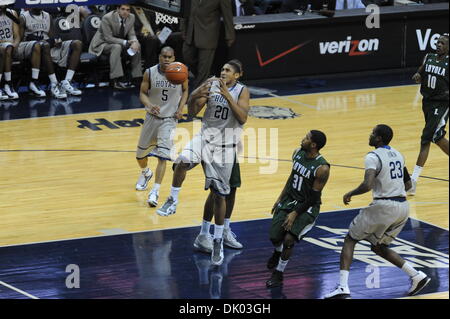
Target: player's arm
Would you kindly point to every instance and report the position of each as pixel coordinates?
(22, 26)
(183, 100)
(417, 77)
(198, 98)
(406, 179)
(321, 179)
(364, 187)
(143, 95)
(241, 107)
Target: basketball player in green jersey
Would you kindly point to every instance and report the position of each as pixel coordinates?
(433, 78)
(297, 208)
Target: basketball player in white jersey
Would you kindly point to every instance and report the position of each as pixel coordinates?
(9, 41)
(37, 28)
(379, 223)
(227, 106)
(164, 104)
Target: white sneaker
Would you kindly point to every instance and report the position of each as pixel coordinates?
(418, 282)
(153, 199)
(338, 293)
(34, 89)
(229, 239)
(3, 96)
(68, 88)
(143, 180)
(412, 190)
(9, 90)
(217, 252)
(168, 208)
(204, 243)
(56, 92)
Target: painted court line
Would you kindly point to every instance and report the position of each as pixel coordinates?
(18, 290)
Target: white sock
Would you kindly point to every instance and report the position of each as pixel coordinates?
(218, 231)
(415, 175)
(282, 264)
(156, 187)
(205, 227)
(343, 278)
(226, 224)
(35, 74)
(52, 78)
(279, 248)
(174, 192)
(69, 75)
(7, 76)
(407, 268)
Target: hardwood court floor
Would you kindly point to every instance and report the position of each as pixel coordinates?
(59, 181)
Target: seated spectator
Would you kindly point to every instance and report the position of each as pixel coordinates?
(115, 37)
(244, 8)
(37, 28)
(148, 26)
(9, 41)
(349, 4)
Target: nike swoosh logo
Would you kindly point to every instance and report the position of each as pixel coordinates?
(282, 54)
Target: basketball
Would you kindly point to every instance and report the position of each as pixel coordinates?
(176, 73)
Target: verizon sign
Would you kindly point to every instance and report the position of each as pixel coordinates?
(425, 38)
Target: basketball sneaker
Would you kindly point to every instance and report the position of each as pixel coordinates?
(168, 208)
(35, 90)
(273, 260)
(338, 293)
(68, 88)
(9, 90)
(229, 239)
(3, 96)
(143, 179)
(56, 92)
(204, 243)
(153, 199)
(418, 282)
(276, 280)
(217, 253)
(412, 190)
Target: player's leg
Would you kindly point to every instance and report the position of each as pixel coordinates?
(443, 144)
(188, 159)
(219, 216)
(33, 50)
(48, 62)
(9, 88)
(204, 240)
(147, 141)
(2, 62)
(159, 175)
(71, 52)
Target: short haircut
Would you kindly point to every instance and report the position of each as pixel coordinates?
(237, 65)
(319, 138)
(167, 48)
(385, 132)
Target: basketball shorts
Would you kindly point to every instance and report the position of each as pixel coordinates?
(380, 222)
(217, 162)
(436, 117)
(24, 50)
(302, 224)
(156, 138)
(60, 55)
(235, 178)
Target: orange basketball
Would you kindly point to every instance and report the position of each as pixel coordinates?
(176, 73)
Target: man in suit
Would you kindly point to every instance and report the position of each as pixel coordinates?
(201, 30)
(114, 37)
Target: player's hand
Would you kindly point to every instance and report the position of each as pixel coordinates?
(289, 221)
(347, 198)
(273, 208)
(417, 78)
(179, 114)
(224, 90)
(58, 43)
(154, 109)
